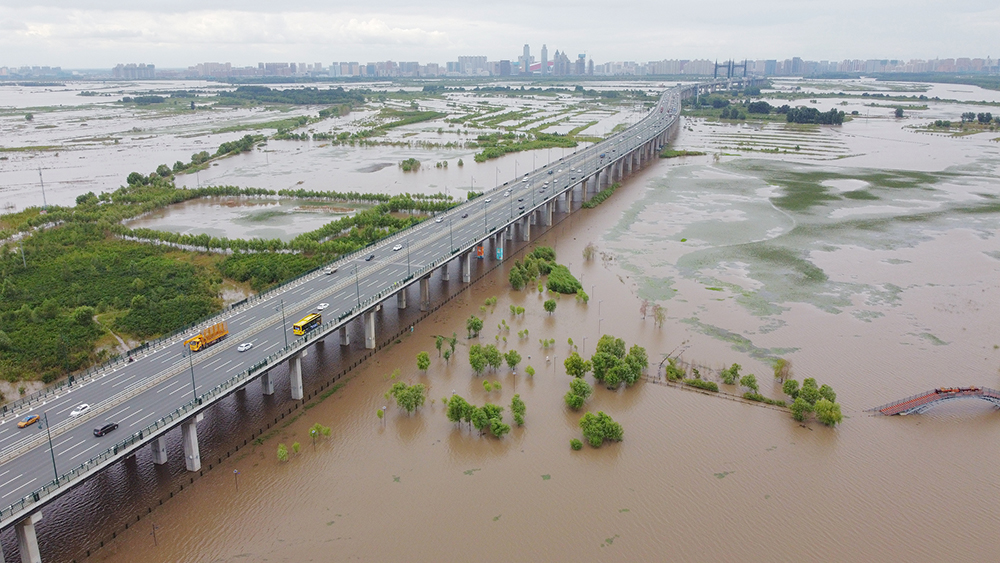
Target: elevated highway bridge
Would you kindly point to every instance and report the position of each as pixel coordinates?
(163, 386)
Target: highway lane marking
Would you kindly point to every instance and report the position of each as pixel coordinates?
(179, 389)
(169, 385)
(4, 473)
(237, 366)
(209, 364)
(119, 412)
(124, 381)
(141, 419)
(271, 346)
(64, 441)
(223, 365)
(129, 416)
(86, 450)
(71, 447)
(11, 481)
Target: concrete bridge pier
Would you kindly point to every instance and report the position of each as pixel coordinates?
(159, 449)
(547, 213)
(295, 374)
(345, 336)
(192, 457)
(509, 232)
(498, 245)
(444, 271)
(466, 267)
(569, 201)
(369, 317)
(27, 540)
(583, 189)
(267, 383)
(526, 228)
(425, 293)
(401, 298)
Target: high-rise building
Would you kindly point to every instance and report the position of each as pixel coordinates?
(504, 68)
(525, 60)
(581, 64)
(545, 60)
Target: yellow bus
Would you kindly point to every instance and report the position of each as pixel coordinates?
(308, 322)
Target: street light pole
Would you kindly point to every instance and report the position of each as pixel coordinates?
(194, 388)
(357, 284)
(407, 258)
(51, 451)
(451, 237)
(486, 208)
(284, 328)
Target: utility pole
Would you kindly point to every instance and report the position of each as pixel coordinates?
(45, 204)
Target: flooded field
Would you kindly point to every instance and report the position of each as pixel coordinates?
(869, 258)
(81, 143)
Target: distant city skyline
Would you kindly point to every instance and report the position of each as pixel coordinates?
(96, 33)
(524, 65)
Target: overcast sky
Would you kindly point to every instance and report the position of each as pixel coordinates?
(181, 33)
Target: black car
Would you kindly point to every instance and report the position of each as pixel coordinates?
(108, 427)
(520, 199)
(520, 208)
(464, 215)
(370, 258)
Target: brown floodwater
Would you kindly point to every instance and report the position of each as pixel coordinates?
(906, 302)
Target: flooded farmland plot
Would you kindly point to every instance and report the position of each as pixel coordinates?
(868, 258)
(82, 138)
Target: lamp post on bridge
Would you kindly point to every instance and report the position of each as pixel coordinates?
(45, 416)
(284, 328)
(194, 388)
(357, 284)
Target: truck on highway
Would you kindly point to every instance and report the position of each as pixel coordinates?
(207, 337)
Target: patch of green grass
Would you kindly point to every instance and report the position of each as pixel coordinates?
(29, 149)
(863, 195)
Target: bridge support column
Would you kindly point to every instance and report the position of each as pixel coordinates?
(401, 298)
(569, 201)
(267, 383)
(295, 374)
(425, 293)
(444, 271)
(159, 449)
(498, 247)
(526, 228)
(583, 189)
(466, 267)
(369, 317)
(509, 232)
(192, 457)
(345, 336)
(547, 214)
(27, 540)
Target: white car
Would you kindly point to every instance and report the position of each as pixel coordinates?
(80, 410)
(244, 347)
(438, 220)
(397, 247)
(488, 200)
(322, 306)
(329, 270)
(506, 193)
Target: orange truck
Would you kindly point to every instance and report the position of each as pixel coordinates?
(207, 337)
